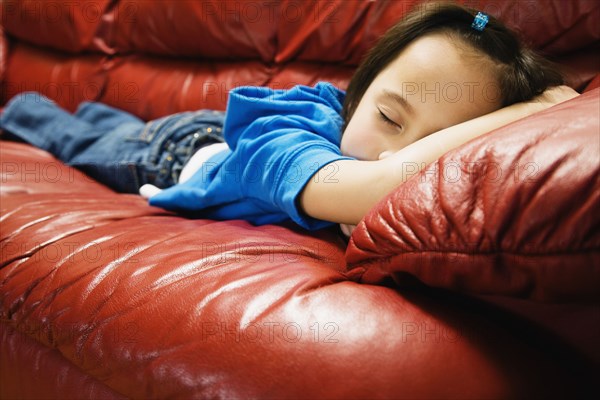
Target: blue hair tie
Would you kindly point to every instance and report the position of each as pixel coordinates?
(480, 21)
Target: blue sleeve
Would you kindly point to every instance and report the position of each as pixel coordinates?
(278, 139)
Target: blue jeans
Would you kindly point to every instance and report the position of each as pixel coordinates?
(110, 145)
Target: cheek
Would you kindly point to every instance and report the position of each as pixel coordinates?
(355, 141)
(363, 138)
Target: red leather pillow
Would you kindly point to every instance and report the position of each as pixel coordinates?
(3, 51)
(59, 24)
(342, 31)
(65, 79)
(213, 29)
(152, 87)
(515, 212)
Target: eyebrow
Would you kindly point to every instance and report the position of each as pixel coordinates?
(398, 98)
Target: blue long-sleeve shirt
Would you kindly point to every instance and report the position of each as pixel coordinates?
(278, 140)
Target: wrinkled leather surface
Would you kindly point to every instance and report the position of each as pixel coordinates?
(3, 51)
(22, 353)
(103, 296)
(515, 213)
(153, 305)
(69, 26)
(3, 55)
(68, 80)
(208, 47)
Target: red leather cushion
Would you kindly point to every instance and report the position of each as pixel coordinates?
(153, 305)
(275, 43)
(3, 51)
(580, 67)
(66, 80)
(594, 84)
(157, 306)
(516, 213)
(342, 31)
(25, 360)
(213, 29)
(321, 31)
(67, 25)
(27, 170)
(153, 87)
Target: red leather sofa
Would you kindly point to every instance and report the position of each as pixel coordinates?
(477, 278)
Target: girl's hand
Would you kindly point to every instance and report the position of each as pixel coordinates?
(347, 229)
(553, 96)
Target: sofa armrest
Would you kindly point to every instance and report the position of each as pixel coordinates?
(512, 213)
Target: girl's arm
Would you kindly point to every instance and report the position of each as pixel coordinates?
(344, 191)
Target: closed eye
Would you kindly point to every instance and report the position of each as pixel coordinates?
(388, 120)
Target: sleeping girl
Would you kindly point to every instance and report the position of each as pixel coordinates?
(442, 76)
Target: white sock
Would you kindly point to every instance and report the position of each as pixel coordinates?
(148, 190)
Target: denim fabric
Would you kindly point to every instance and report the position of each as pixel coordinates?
(112, 146)
(278, 139)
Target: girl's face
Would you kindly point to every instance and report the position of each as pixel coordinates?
(433, 84)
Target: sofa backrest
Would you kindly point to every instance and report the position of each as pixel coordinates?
(158, 57)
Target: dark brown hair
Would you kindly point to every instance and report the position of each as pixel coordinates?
(521, 73)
